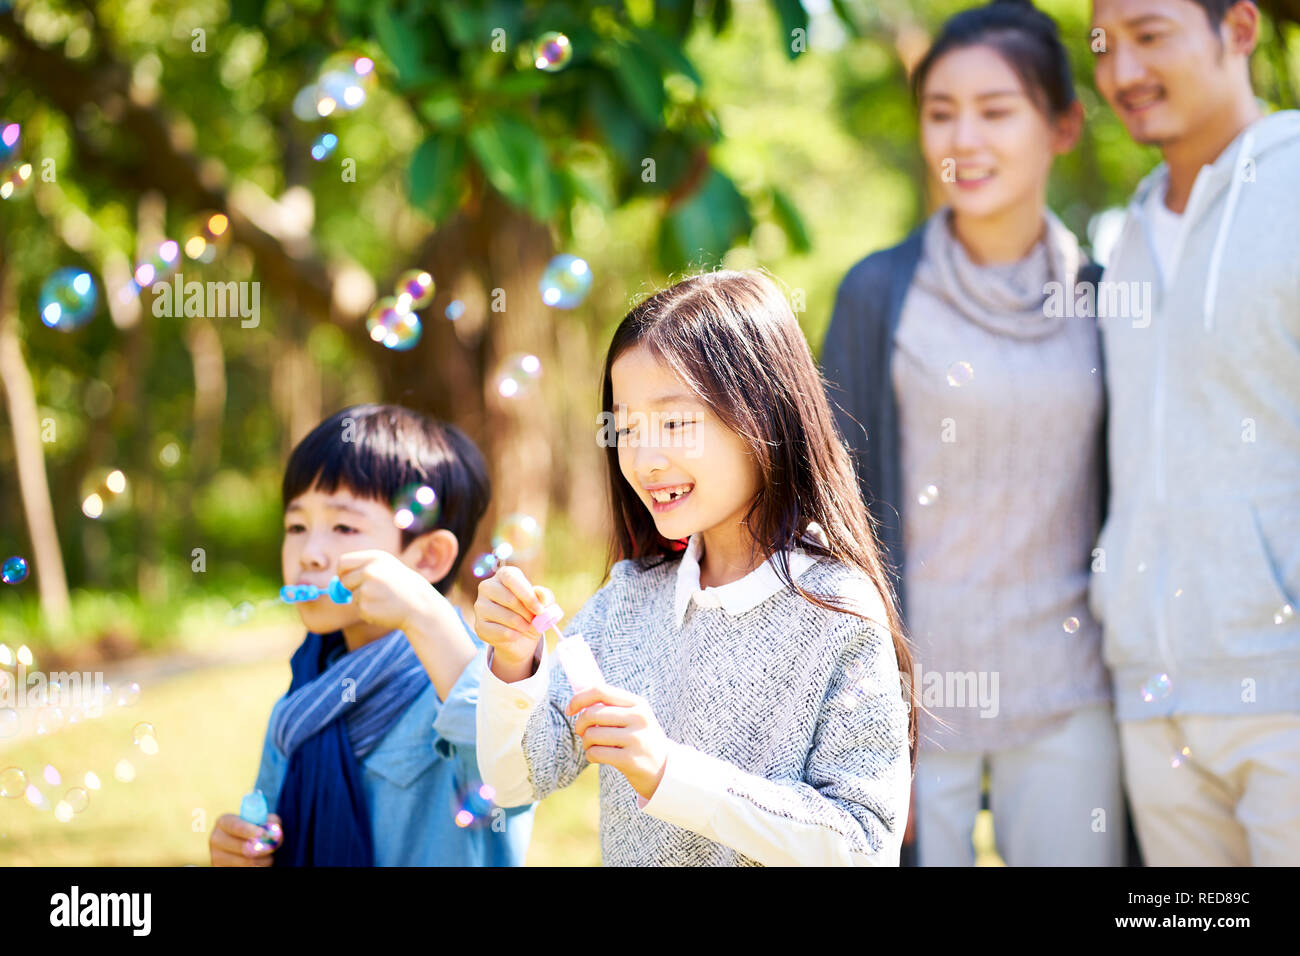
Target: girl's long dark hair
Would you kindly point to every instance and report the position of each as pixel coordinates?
(733, 340)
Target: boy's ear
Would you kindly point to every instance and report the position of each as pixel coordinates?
(432, 554)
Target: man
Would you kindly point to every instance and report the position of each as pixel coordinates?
(1198, 567)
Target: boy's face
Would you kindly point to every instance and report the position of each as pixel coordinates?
(1165, 70)
(318, 528)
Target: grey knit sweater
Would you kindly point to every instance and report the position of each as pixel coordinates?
(788, 726)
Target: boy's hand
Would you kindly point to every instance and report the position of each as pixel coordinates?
(233, 838)
(507, 603)
(618, 728)
(387, 591)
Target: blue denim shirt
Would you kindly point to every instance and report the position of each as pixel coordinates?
(414, 778)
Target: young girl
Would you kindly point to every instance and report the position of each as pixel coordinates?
(982, 457)
(753, 708)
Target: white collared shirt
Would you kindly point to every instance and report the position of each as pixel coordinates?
(742, 595)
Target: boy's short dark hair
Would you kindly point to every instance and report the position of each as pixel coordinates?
(1216, 10)
(375, 451)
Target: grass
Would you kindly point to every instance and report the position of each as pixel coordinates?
(209, 726)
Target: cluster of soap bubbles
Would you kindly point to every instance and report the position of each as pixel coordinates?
(1156, 687)
(344, 81)
(205, 237)
(928, 496)
(15, 783)
(392, 321)
(14, 570)
(104, 493)
(960, 373)
(15, 173)
(68, 299)
(516, 537)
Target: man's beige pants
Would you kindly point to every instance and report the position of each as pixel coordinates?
(1210, 790)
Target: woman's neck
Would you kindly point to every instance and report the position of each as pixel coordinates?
(1004, 237)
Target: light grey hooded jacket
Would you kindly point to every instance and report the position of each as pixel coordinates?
(1201, 547)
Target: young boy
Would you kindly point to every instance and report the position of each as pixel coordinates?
(369, 758)
(1202, 542)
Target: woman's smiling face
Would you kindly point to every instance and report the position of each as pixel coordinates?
(691, 471)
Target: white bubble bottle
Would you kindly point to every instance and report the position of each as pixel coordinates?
(572, 651)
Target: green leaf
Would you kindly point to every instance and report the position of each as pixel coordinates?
(514, 160)
(793, 17)
(668, 54)
(641, 82)
(400, 43)
(787, 217)
(436, 170)
(699, 232)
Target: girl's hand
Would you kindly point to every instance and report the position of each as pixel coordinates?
(387, 591)
(235, 841)
(618, 728)
(507, 603)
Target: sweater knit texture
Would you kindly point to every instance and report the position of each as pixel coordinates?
(1000, 413)
(806, 702)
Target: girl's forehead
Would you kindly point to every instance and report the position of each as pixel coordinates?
(639, 377)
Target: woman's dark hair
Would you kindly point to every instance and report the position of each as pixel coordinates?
(376, 451)
(1025, 37)
(732, 339)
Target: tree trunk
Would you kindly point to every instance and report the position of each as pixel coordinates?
(20, 397)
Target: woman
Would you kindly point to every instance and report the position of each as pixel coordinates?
(981, 394)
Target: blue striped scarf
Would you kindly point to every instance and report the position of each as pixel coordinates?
(331, 718)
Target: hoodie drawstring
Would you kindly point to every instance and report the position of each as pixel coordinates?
(1221, 238)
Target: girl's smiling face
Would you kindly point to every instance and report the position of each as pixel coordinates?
(689, 469)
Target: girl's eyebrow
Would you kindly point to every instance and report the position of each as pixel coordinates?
(677, 398)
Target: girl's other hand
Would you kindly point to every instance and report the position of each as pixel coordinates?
(236, 842)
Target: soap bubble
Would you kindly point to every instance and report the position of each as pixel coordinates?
(1071, 625)
(1156, 687)
(16, 180)
(77, 798)
(516, 375)
(565, 282)
(68, 299)
(128, 694)
(304, 103)
(10, 134)
(49, 720)
(51, 775)
(343, 82)
(14, 570)
(162, 264)
(1178, 759)
(36, 798)
(92, 781)
(960, 373)
(416, 508)
(552, 52)
(63, 811)
(169, 455)
(25, 655)
(473, 805)
(1284, 614)
(124, 771)
(9, 722)
(929, 494)
(392, 326)
(418, 287)
(239, 614)
(455, 309)
(142, 735)
(104, 494)
(206, 236)
(521, 532)
(13, 782)
(324, 146)
(485, 565)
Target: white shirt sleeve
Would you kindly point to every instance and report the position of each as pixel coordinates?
(503, 713)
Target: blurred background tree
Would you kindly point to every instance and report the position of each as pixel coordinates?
(678, 136)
